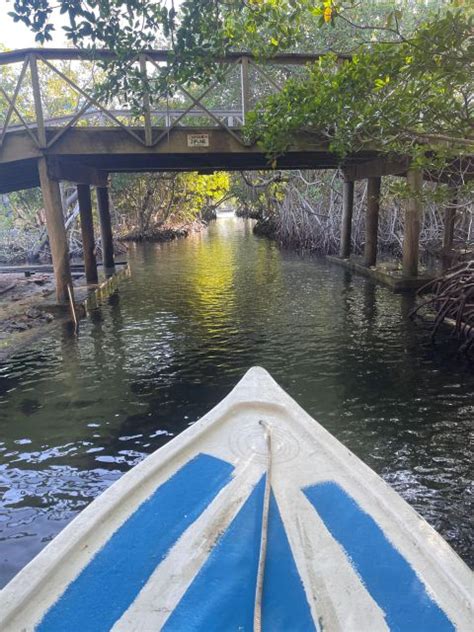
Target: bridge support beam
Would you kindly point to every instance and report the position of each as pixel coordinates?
(103, 205)
(346, 225)
(372, 221)
(413, 212)
(87, 230)
(245, 86)
(56, 232)
(449, 223)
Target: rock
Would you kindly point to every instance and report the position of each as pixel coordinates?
(20, 326)
(33, 312)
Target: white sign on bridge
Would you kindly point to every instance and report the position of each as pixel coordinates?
(198, 140)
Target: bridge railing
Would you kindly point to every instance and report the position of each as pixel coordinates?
(47, 92)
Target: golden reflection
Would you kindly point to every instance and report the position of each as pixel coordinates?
(220, 265)
(211, 280)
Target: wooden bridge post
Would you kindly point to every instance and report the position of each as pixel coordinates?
(412, 224)
(372, 221)
(346, 225)
(87, 230)
(35, 84)
(146, 102)
(105, 229)
(56, 232)
(245, 86)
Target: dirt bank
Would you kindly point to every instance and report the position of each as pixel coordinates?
(24, 315)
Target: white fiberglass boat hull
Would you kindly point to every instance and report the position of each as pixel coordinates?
(175, 544)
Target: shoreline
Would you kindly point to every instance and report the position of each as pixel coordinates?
(31, 312)
(24, 313)
(165, 233)
(27, 308)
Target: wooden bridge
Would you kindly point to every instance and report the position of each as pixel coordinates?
(81, 137)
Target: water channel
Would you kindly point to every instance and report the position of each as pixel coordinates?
(193, 316)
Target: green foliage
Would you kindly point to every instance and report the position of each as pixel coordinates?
(332, 25)
(146, 202)
(58, 98)
(196, 31)
(202, 26)
(21, 210)
(406, 98)
(130, 26)
(407, 89)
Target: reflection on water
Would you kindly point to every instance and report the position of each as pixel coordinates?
(194, 316)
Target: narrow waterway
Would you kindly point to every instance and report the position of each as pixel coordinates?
(191, 319)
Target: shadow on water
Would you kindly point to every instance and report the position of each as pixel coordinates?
(75, 413)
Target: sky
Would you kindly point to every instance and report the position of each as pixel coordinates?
(17, 35)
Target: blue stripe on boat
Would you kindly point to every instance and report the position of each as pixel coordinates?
(221, 597)
(285, 606)
(108, 585)
(388, 577)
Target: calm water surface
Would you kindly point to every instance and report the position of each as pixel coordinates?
(75, 414)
